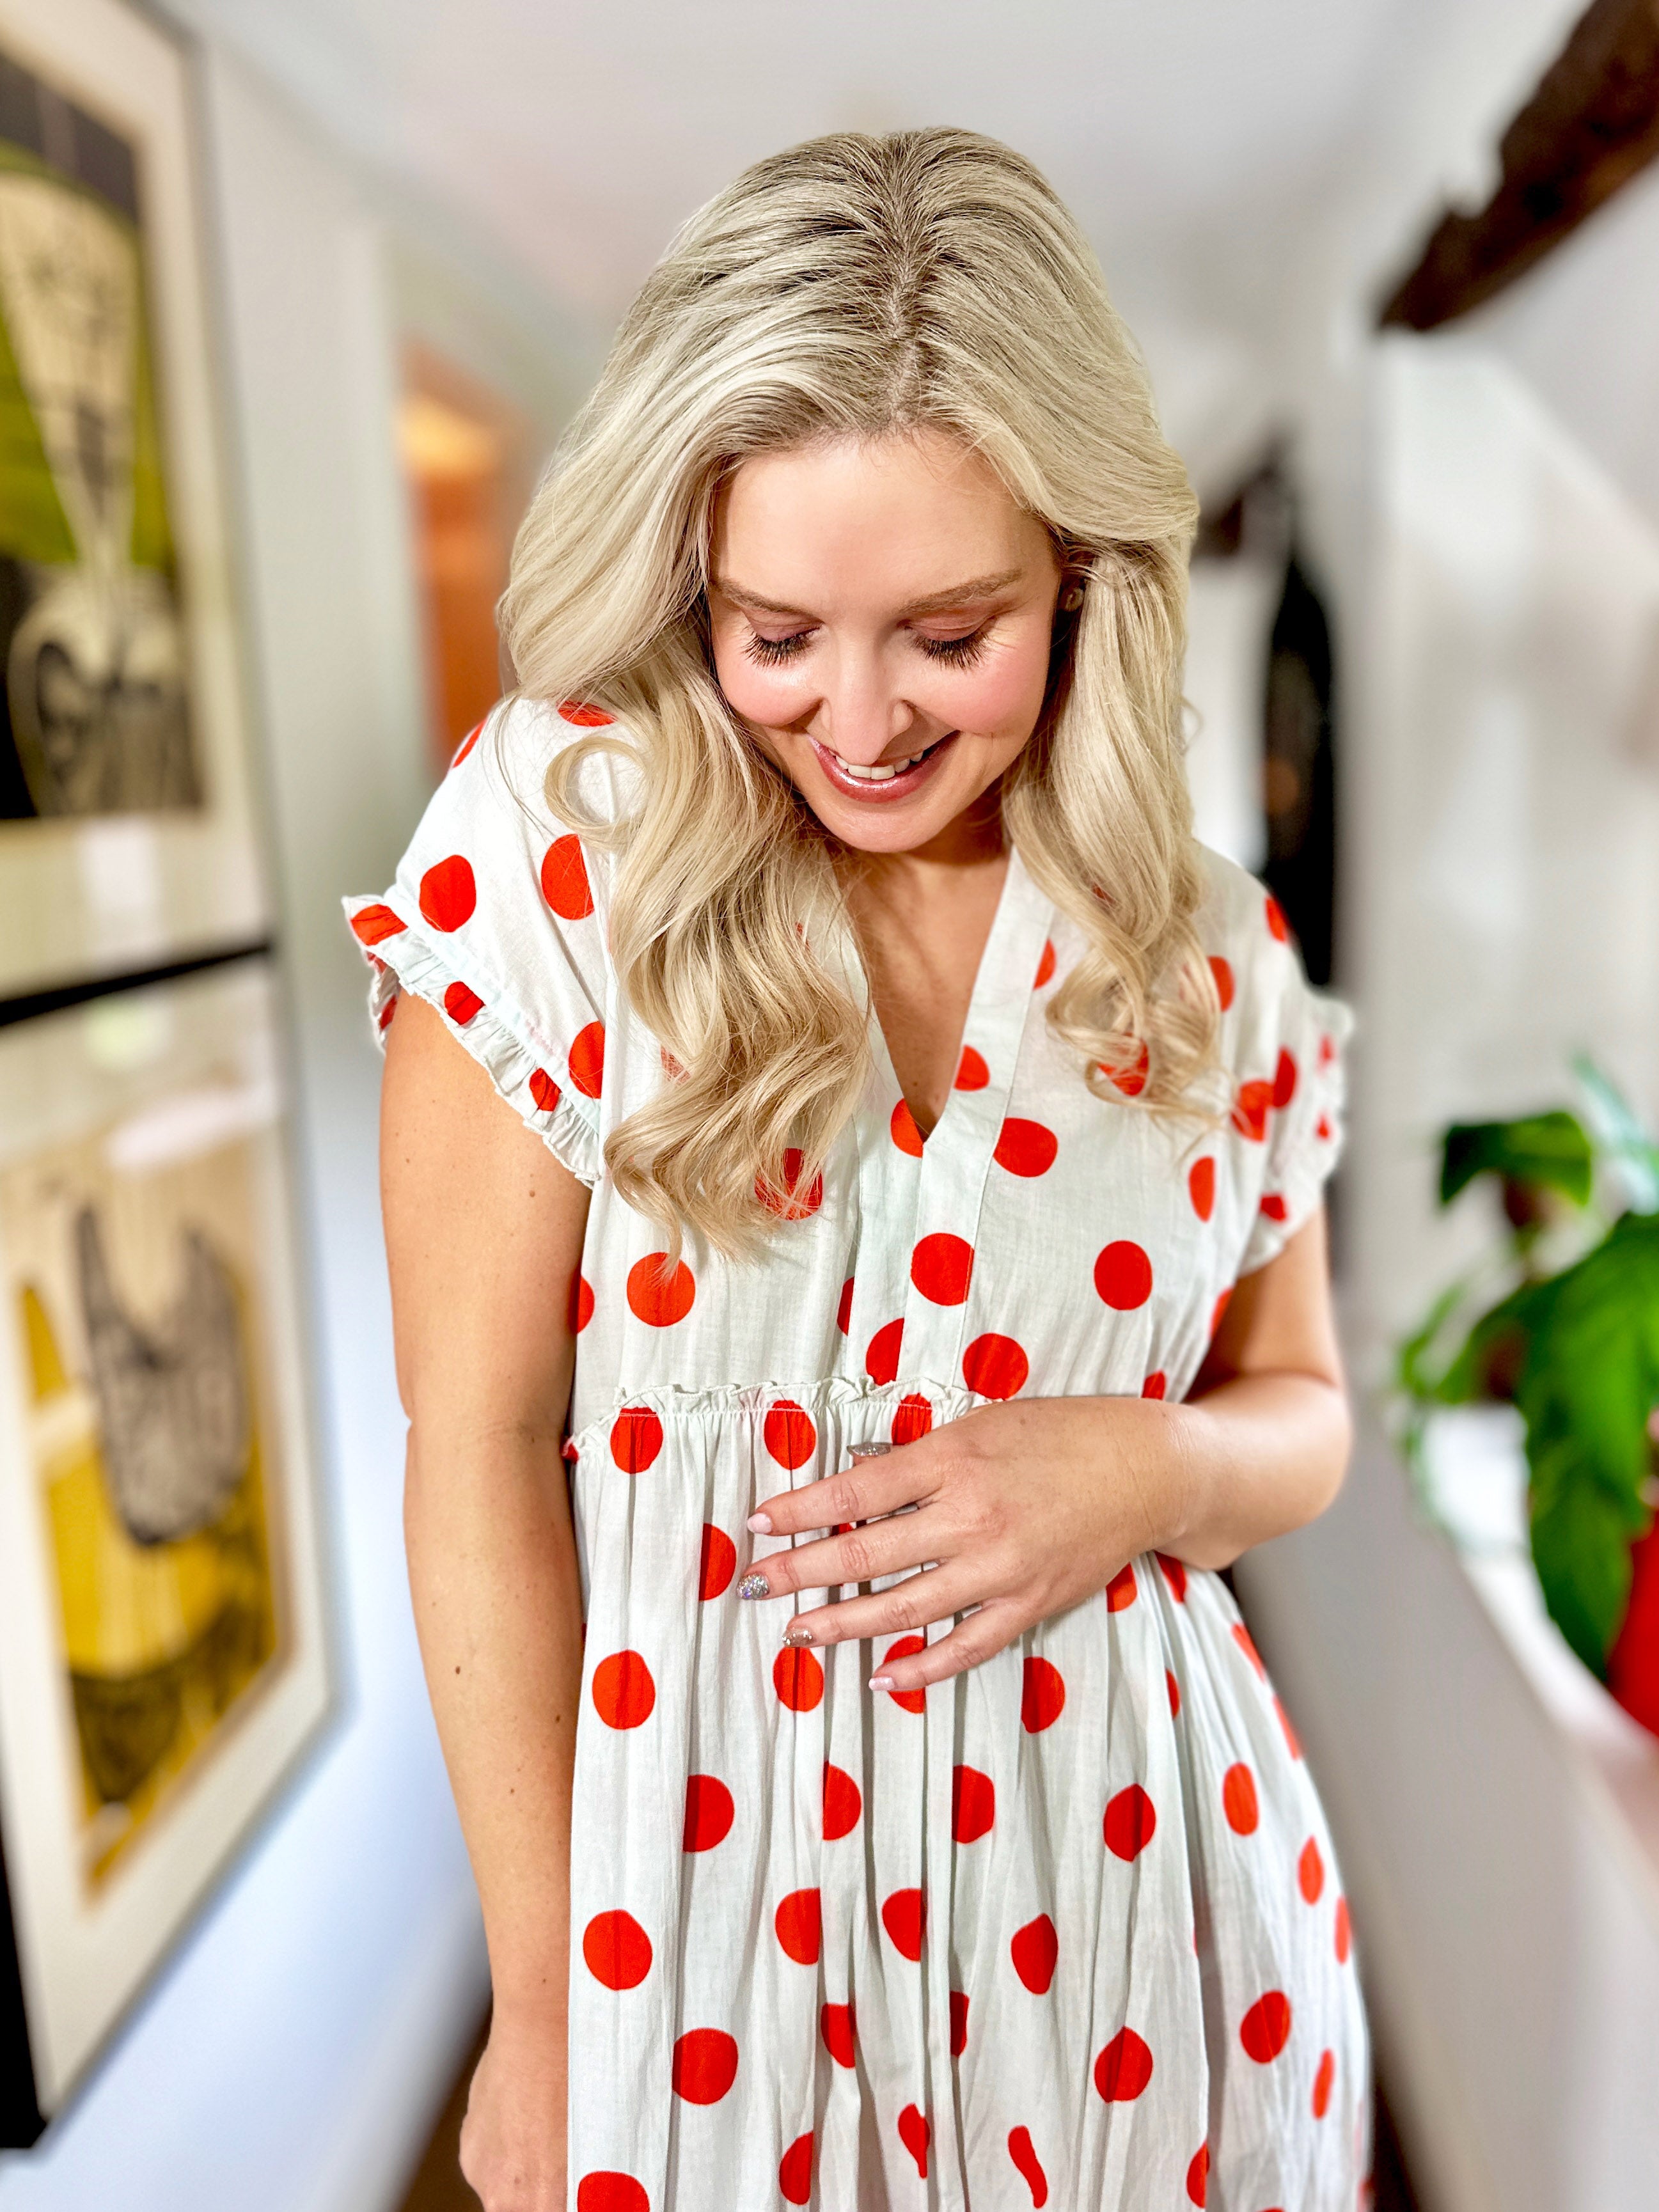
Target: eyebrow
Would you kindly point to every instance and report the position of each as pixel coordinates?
(958, 595)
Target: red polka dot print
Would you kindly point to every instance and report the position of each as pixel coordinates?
(461, 1003)
(1131, 1078)
(709, 1812)
(585, 1061)
(1123, 2068)
(1026, 1148)
(543, 1089)
(958, 2023)
(1028, 2164)
(789, 1434)
(1246, 1643)
(798, 1921)
(385, 1017)
(449, 893)
(842, 1803)
(1131, 1823)
(1043, 1695)
(839, 2029)
(1123, 1276)
(798, 1678)
(623, 1692)
(795, 2172)
(1200, 1187)
(564, 879)
(1217, 1312)
(973, 1804)
(635, 1439)
(1284, 1079)
(913, 1701)
(881, 1358)
(1324, 2081)
(1197, 2176)
(1310, 1872)
(1156, 1385)
(616, 1950)
(610, 2192)
(717, 1564)
(1276, 925)
(1344, 1932)
(1273, 1207)
(904, 1916)
(915, 2134)
(995, 1366)
(374, 924)
(1222, 970)
(1266, 2028)
(972, 1073)
(904, 1132)
(1291, 1743)
(792, 1203)
(1122, 1590)
(660, 1293)
(1238, 1800)
(1045, 965)
(1250, 1108)
(466, 745)
(1035, 1950)
(705, 2065)
(1323, 1131)
(1175, 1573)
(584, 717)
(941, 1267)
(912, 1418)
(578, 1309)
(1174, 1689)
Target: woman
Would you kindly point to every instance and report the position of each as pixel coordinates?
(819, 1036)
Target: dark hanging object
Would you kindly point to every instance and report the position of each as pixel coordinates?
(1299, 769)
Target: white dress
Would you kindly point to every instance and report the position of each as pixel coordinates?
(1067, 1930)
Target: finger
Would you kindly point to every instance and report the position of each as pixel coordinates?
(974, 1640)
(871, 1486)
(893, 1545)
(914, 1603)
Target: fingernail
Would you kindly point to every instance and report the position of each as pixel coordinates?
(881, 1681)
(761, 1523)
(797, 1635)
(754, 1585)
(867, 1451)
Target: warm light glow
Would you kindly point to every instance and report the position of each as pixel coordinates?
(437, 441)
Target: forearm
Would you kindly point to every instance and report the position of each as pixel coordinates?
(496, 1591)
(1258, 1456)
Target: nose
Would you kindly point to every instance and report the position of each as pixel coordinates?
(860, 716)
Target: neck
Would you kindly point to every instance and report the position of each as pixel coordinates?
(972, 840)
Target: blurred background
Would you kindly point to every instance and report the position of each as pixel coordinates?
(1395, 265)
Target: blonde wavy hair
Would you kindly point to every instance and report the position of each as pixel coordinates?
(859, 287)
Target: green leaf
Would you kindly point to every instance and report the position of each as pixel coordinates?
(1581, 1550)
(1630, 1150)
(1551, 1149)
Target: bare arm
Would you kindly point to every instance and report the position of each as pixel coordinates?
(483, 1239)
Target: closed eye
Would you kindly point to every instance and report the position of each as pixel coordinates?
(957, 652)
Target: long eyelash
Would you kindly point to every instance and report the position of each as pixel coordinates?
(770, 651)
(959, 651)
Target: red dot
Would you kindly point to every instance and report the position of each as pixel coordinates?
(995, 1366)
(583, 716)
(1131, 1822)
(617, 1950)
(385, 1017)
(973, 1804)
(881, 1360)
(1323, 1131)
(658, 1294)
(374, 924)
(799, 1923)
(795, 2172)
(624, 1691)
(718, 1562)
(1026, 1148)
(1198, 2175)
(1175, 1573)
(543, 1089)
(564, 879)
(904, 1132)
(1276, 922)
(844, 1307)
(958, 2023)
(1034, 1949)
(1223, 971)
(1174, 1689)
(798, 1678)
(1246, 1643)
(1217, 1312)
(1045, 965)
(1344, 1931)
(1028, 2165)
(466, 744)
(913, 1701)
(904, 1916)
(709, 1812)
(586, 1060)
(1123, 1276)
(972, 1073)
(1238, 1800)
(839, 2029)
(1250, 1110)
(789, 1435)
(610, 2192)
(1131, 1079)
(635, 1439)
(460, 1003)
(1284, 1079)
(705, 2065)
(914, 2134)
(912, 1420)
(843, 1805)
(1122, 1590)
(1043, 1695)
(1310, 1872)
(448, 893)
(791, 1203)
(1284, 1719)
(1156, 1385)
(1123, 2068)
(1200, 1187)
(578, 1309)
(1266, 2028)
(941, 1267)
(1275, 1208)
(1322, 2082)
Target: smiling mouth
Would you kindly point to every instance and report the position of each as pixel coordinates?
(883, 771)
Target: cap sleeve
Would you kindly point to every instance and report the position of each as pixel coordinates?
(493, 919)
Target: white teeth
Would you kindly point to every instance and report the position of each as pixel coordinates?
(882, 773)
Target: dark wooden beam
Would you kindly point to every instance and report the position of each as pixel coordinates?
(1590, 126)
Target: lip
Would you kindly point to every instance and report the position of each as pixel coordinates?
(893, 788)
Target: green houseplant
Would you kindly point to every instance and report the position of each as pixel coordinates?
(1562, 1319)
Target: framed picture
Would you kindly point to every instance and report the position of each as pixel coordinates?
(164, 1653)
(126, 833)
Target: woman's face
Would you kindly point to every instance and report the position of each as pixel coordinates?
(882, 613)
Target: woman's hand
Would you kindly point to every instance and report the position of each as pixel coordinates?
(513, 2139)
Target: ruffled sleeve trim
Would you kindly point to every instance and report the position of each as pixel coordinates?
(1305, 1139)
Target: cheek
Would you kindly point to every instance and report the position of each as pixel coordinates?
(1002, 696)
